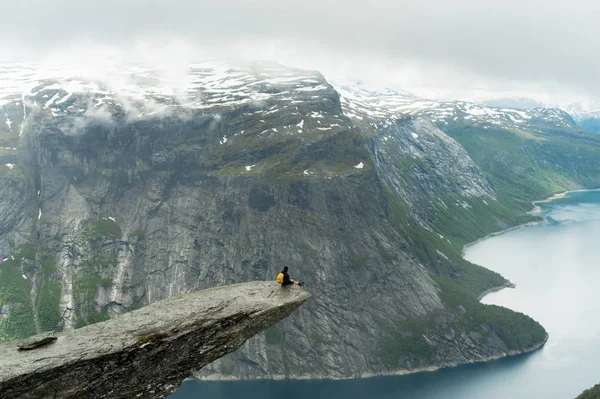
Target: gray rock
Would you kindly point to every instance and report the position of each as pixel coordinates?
(36, 342)
(147, 352)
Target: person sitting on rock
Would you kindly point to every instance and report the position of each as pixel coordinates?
(284, 278)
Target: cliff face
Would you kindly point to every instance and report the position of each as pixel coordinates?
(147, 352)
(112, 204)
(424, 166)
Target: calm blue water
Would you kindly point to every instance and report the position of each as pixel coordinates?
(556, 268)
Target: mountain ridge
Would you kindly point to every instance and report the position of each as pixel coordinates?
(112, 210)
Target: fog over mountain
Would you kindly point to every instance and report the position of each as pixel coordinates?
(472, 50)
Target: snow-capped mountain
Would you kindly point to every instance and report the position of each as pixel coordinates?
(516, 102)
(143, 92)
(359, 103)
(123, 187)
(139, 92)
(586, 115)
(201, 85)
(580, 111)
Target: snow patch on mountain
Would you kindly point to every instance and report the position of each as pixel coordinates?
(144, 92)
(360, 103)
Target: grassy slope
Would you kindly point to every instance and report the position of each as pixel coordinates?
(527, 165)
(523, 166)
(461, 283)
(15, 292)
(15, 289)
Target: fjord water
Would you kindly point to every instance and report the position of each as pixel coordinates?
(556, 268)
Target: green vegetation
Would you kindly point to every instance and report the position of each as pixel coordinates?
(443, 257)
(139, 233)
(26, 251)
(517, 330)
(48, 291)
(103, 228)
(471, 218)
(48, 265)
(47, 306)
(15, 291)
(14, 294)
(408, 343)
(592, 393)
(468, 320)
(460, 282)
(523, 165)
(94, 317)
(527, 165)
(85, 286)
(279, 156)
(108, 228)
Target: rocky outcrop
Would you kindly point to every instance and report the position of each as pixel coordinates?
(147, 352)
(424, 166)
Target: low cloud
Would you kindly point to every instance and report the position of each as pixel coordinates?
(99, 115)
(462, 49)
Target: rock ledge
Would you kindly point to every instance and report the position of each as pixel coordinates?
(148, 352)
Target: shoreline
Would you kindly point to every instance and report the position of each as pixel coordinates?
(534, 211)
(507, 230)
(508, 284)
(565, 193)
(497, 288)
(431, 369)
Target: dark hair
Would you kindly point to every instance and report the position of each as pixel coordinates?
(285, 269)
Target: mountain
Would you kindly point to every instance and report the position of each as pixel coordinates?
(120, 191)
(360, 103)
(526, 154)
(586, 115)
(515, 102)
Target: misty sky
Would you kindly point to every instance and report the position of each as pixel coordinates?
(457, 48)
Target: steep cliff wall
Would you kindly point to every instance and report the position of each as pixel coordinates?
(111, 205)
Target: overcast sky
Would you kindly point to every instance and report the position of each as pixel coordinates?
(451, 48)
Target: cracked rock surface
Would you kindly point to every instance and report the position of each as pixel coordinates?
(146, 353)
